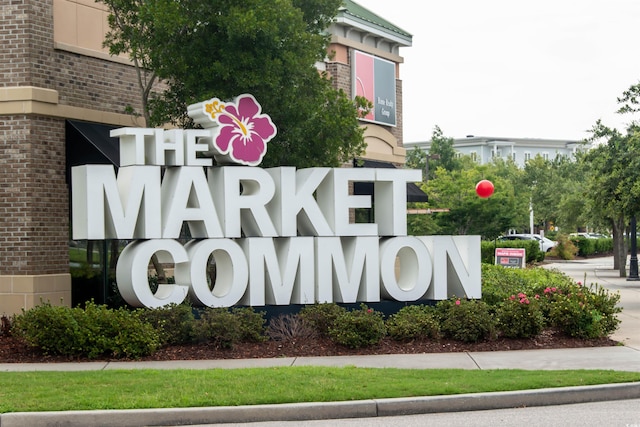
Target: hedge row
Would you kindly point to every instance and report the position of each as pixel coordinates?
(517, 303)
(588, 247)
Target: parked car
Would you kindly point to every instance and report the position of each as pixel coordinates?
(545, 244)
(589, 235)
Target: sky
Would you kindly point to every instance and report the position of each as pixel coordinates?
(502, 68)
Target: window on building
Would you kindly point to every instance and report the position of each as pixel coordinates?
(474, 156)
(527, 156)
(545, 156)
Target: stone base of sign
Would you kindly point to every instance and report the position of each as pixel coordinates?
(25, 292)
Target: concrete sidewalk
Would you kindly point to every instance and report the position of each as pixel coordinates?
(592, 271)
(622, 358)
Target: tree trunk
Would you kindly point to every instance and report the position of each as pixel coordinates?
(616, 263)
(619, 247)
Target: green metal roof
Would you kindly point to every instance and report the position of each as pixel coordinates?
(358, 12)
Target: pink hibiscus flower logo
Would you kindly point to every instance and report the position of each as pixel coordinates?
(240, 130)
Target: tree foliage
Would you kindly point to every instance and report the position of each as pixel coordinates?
(470, 214)
(442, 148)
(441, 154)
(614, 182)
(269, 48)
(556, 190)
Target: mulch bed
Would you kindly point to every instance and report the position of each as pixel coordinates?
(13, 350)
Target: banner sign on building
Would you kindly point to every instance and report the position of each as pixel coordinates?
(375, 79)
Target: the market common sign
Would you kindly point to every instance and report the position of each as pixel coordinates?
(279, 236)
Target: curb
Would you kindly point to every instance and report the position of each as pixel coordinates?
(328, 410)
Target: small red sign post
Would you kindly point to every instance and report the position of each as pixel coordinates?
(511, 257)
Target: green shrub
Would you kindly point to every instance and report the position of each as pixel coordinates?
(587, 247)
(520, 317)
(466, 320)
(320, 317)
(565, 249)
(584, 312)
(604, 245)
(413, 321)
(252, 324)
(219, 327)
(135, 338)
(358, 328)
(93, 331)
(499, 283)
(52, 329)
(115, 332)
(174, 323)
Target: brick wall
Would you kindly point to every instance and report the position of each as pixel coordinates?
(341, 74)
(397, 131)
(14, 26)
(92, 83)
(33, 196)
(28, 58)
(34, 217)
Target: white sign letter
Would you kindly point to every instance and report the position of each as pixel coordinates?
(347, 269)
(457, 269)
(414, 269)
(104, 208)
(132, 273)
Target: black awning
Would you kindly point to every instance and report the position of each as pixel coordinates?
(414, 193)
(90, 143)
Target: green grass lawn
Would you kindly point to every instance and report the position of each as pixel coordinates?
(134, 389)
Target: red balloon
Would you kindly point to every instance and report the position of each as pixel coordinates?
(484, 188)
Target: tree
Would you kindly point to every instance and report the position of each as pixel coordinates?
(572, 207)
(442, 147)
(441, 154)
(614, 182)
(470, 214)
(269, 48)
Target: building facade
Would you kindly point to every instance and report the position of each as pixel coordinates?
(61, 92)
(484, 149)
(359, 35)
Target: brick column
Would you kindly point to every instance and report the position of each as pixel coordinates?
(34, 218)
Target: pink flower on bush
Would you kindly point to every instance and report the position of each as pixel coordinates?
(243, 131)
(457, 302)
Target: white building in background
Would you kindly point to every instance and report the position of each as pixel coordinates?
(483, 149)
